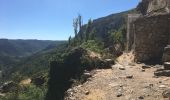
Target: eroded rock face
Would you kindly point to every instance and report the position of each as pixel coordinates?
(147, 7)
(143, 6)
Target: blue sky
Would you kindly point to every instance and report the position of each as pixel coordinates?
(52, 19)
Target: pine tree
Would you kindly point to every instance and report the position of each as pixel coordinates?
(75, 25)
(80, 21)
(69, 40)
(88, 29)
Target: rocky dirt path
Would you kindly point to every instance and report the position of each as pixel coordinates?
(125, 81)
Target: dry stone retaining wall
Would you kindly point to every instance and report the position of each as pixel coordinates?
(130, 30)
(150, 38)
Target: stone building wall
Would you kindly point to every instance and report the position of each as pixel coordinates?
(150, 38)
(130, 30)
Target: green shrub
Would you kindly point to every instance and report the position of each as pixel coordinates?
(93, 45)
(27, 93)
(32, 93)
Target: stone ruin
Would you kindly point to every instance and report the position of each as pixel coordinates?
(130, 29)
(148, 33)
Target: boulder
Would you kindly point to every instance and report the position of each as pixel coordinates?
(8, 87)
(166, 94)
(167, 65)
(162, 73)
(104, 64)
(38, 81)
(109, 62)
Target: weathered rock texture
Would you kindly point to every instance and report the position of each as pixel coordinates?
(130, 30)
(150, 7)
(151, 36)
(150, 33)
(166, 55)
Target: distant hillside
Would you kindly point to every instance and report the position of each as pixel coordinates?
(21, 48)
(14, 52)
(37, 62)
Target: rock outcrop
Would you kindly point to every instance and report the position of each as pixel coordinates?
(8, 87)
(150, 7)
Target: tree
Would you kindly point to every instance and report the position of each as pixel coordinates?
(88, 29)
(75, 25)
(69, 40)
(80, 21)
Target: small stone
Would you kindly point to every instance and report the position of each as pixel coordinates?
(87, 75)
(129, 76)
(151, 85)
(143, 70)
(79, 86)
(119, 94)
(87, 92)
(122, 68)
(155, 77)
(72, 98)
(162, 86)
(69, 90)
(131, 64)
(138, 62)
(141, 97)
(145, 67)
(114, 84)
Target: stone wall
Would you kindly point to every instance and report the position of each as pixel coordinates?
(130, 30)
(150, 38)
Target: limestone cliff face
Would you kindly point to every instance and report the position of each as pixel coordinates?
(150, 7)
